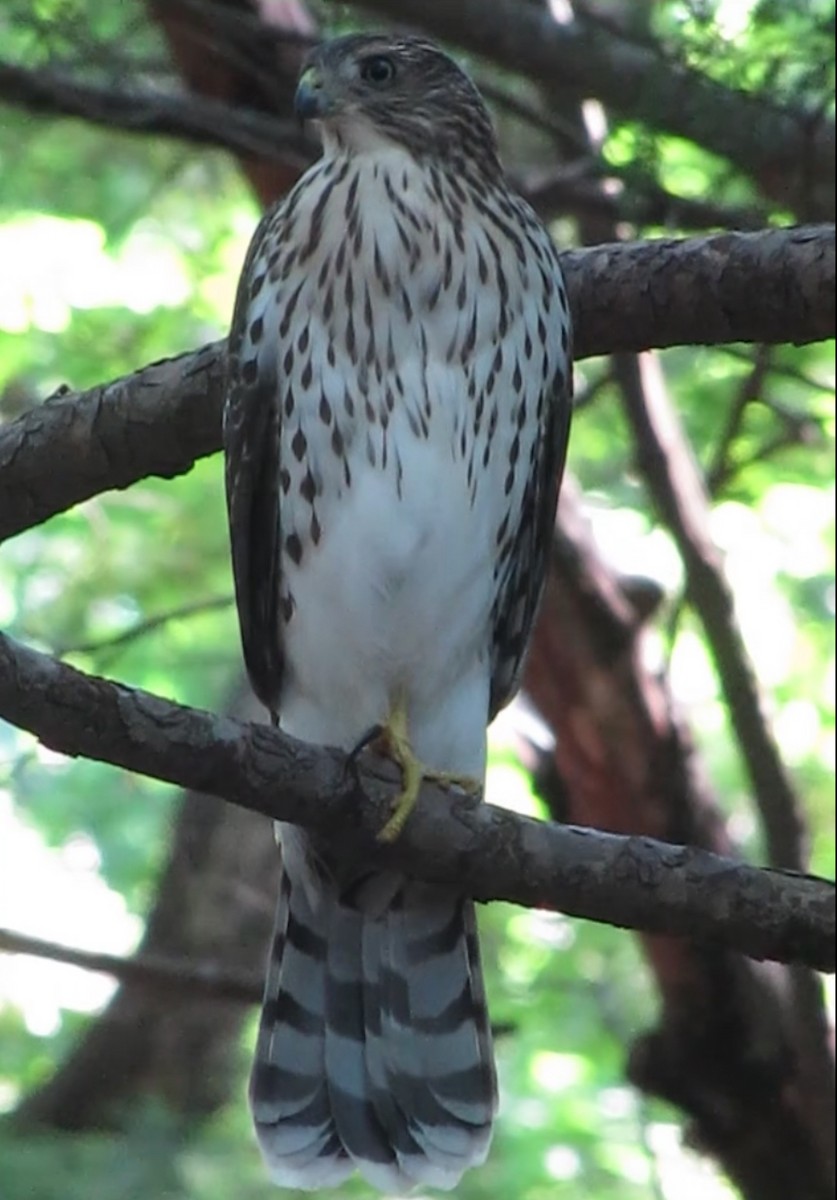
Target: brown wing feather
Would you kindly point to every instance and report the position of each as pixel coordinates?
(251, 451)
(517, 598)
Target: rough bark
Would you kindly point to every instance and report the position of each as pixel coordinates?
(487, 852)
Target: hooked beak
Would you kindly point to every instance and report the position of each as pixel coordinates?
(311, 101)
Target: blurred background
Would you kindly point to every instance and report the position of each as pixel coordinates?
(681, 682)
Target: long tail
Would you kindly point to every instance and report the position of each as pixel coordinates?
(374, 1049)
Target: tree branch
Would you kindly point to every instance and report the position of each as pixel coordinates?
(156, 421)
(639, 199)
(773, 286)
(146, 111)
(789, 152)
(161, 973)
(142, 628)
(277, 150)
(482, 850)
(677, 490)
(631, 296)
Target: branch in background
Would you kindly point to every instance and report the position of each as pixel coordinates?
(192, 981)
(637, 198)
(226, 54)
(745, 355)
(772, 286)
(245, 55)
(788, 152)
(678, 493)
(677, 490)
(144, 111)
(724, 1048)
(276, 150)
(140, 629)
(721, 470)
(481, 850)
(635, 771)
(795, 427)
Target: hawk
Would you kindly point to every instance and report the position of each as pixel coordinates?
(395, 428)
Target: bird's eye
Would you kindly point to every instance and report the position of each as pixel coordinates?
(377, 70)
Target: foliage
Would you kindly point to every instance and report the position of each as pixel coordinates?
(117, 250)
(784, 49)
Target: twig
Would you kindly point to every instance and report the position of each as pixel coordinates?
(718, 471)
(141, 628)
(639, 199)
(780, 368)
(206, 980)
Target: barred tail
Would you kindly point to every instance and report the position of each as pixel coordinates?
(374, 1049)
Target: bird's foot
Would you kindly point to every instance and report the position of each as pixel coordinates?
(393, 741)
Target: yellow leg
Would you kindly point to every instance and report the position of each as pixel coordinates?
(396, 744)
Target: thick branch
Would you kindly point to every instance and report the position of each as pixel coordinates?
(156, 421)
(789, 152)
(483, 850)
(774, 286)
(769, 287)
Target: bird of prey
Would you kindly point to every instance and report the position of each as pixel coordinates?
(395, 428)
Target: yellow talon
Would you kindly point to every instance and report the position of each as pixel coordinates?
(395, 742)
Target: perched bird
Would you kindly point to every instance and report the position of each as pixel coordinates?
(395, 428)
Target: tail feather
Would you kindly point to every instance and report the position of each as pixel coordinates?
(288, 1092)
(441, 1061)
(356, 1118)
(374, 1048)
(393, 1119)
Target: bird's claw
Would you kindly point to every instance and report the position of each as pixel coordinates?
(395, 743)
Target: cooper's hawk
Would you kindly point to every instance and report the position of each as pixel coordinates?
(395, 430)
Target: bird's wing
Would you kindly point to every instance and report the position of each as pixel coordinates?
(521, 583)
(252, 460)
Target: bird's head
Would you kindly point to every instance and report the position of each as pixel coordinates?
(369, 91)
